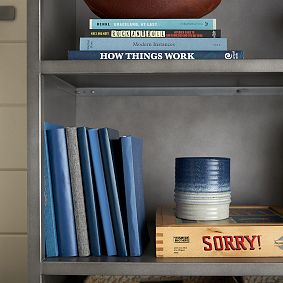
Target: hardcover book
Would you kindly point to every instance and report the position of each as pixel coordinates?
(90, 192)
(178, 24)
(97, 164)
(124, 33)
(132, 149)
(171, 44)
(155, 55)
(61, 184)
(106, 139)
(77, 191)
(50, 234)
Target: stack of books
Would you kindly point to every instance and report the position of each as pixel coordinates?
(153, 39)
(93, 193)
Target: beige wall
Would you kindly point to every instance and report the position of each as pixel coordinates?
(13, 155)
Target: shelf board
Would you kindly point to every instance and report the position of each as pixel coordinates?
(147, 67)
(149, 265)
(210, 73)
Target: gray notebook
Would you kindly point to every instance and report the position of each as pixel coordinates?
(77, 191)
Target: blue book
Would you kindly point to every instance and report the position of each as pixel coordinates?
(106, 138)
(164, 24)
(97, 164)
(50, 234)
(172, 44)
(63, 204)
(132, 152)
(90, 193)
(155, 55)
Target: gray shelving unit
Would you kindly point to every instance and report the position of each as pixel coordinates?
(227, 108)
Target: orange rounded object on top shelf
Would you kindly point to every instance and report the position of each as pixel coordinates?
(152, 9)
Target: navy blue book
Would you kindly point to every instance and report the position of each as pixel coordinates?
(132, 152)
(63, 204)
(106, 138)
(50, 234)
(155, 55)
(97, 165)
(90, 193)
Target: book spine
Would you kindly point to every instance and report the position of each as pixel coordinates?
(155, 55)
(63, 204)
(106, 136)
(128, 163)
(133, 176)
(156, 33)
(77, 191)
(137, 152)
(102, 191)
(50, 234)
(99, 44)
(90, 192)
(178, 24)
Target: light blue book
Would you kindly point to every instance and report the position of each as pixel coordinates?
(61, 186)
(96, 159)
(174, 24)
(50, 234)
(108, 139)
(197, 44)
(132, 152)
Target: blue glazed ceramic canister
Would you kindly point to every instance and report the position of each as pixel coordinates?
(202, 188)
(202, 174)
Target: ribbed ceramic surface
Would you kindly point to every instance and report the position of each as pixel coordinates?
(203, 212)
(202, 206)
(202, 174)
(202, 198)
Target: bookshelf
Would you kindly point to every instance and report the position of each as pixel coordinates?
(226, 108)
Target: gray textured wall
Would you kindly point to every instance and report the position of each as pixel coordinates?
(248, 129)
(59, 102)
(252, 26)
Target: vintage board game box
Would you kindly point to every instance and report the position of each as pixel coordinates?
(251, 231)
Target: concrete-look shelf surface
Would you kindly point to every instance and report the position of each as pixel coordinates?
(149, 265)
(157, 66)
(207, 73)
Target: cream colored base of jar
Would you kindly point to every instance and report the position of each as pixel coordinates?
(202, 212)
(202, 206)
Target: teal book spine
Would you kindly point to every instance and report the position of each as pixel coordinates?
(178, 24)
(145, 44)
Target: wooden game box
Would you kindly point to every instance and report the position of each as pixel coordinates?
(251, 231)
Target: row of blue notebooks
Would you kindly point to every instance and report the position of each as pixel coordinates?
(93, 193)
